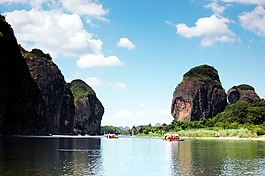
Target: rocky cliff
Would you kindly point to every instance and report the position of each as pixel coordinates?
(88, 109)
(244, 92)
(22, 109)
(34, 97)
(55, 91)
(200, 95)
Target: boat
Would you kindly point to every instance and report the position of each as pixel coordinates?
(172, 137)
(111, 136)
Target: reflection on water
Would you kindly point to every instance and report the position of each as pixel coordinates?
(136, 156)
(50, 156)
(79, 156)
(213, 157)
(128, 156)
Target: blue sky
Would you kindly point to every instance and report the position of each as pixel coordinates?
(134, 53)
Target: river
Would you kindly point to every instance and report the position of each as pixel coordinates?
(128, 156)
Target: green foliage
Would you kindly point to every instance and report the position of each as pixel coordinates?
(240, 119)
(39, 53)
(243, 113)
(2, 18)
(205, 72)
(34, 53)
(110, 129)
(245, 87)
(242, 133)
(80, 89)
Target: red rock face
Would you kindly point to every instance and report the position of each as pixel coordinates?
(182, 109)
(198, 98)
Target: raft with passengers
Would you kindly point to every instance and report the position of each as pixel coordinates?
(111, 136)
(172, 137)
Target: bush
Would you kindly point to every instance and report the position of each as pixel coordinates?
(110, 129)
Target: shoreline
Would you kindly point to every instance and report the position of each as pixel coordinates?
(261, 138)
(233, 138)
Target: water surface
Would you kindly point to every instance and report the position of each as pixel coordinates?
(97, 156)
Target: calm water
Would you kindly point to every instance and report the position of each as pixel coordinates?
(129, 156)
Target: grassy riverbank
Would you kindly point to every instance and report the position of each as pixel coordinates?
(227, 134)
(240, 133)
(258, 138)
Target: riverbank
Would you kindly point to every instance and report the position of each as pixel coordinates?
(259, 138)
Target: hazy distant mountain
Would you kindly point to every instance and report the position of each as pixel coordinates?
(157, 124)
(124, 128)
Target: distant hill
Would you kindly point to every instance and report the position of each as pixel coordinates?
(124, 128)
(157, 124)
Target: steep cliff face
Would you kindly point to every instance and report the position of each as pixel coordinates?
(88, 109)
(200, 95)
(244, 92)
(22, 109)
(54, 90)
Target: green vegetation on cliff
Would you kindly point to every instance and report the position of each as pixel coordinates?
(34, 59)
(80, 89)
(34, 53)
(204, 72)
(242, 112)
(241, 119)
(245, 87)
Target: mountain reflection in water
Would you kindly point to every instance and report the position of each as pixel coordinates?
(97, 156)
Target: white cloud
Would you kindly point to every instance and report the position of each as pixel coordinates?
(215, 7)
(93, 60)
(125, 43)
(124, 113)
(93, 81)
(255, 2)
(91, 8)
(61, 33)
(145, 116)
(254, 21)
(119, 86)
(141, 104)
(12, 1)
(36, 4)
(86, 7)
(169, 23)
(140, 114)
(64, 34)
(211, 29)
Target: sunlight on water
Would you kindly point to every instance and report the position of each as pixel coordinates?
(128, 156)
